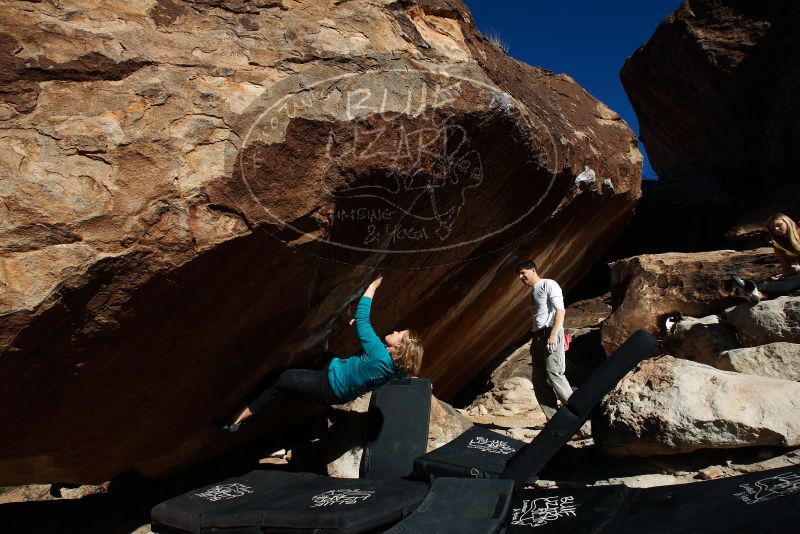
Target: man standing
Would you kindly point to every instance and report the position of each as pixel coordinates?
(547, 345)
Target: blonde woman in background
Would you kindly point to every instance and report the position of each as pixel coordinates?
(785, 238)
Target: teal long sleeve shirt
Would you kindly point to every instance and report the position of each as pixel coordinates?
(351, 377)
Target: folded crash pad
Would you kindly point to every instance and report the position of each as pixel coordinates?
(768, 501)
(463, 505)
(477, 453)
(272, 501)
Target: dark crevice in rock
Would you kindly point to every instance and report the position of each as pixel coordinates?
(89, 67)
(37, 236)
(19, 78)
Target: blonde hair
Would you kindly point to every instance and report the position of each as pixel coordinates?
(788, 244)
(408, 355)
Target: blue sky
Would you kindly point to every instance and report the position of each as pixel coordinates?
(589, 40)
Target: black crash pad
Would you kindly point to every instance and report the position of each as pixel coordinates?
(463, 505)
(398, 417)
(477, 453)
(272, 501)
(764, 502)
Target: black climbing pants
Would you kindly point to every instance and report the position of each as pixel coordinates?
(781, 287)
(307, 382)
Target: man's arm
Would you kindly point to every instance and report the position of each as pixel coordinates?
(558, 322)
(556, 298)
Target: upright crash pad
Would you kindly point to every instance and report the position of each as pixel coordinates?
(463, 505)
(398, 417)
(764, 502)
(272, 501)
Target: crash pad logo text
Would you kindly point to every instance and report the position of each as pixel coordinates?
(770, 488)
(496, 446)
(340, 497)
(225, 491)
(541, 511)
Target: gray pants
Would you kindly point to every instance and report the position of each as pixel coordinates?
(549, 382)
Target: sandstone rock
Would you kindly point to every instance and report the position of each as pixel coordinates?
(647, 289)
(701, 340)
(511, 404)
(446, 424)
(717, 106)
(714, 95)
(586, 314)
(192, 195)
(670, 406)
(345, 438)
(645, 481)
(778, 360)
(516, 364)
(767, 322)
(711, 473)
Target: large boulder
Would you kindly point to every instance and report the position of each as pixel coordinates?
(193, 193)
(716, 95)
(647, 289)
(670, 406)
(768, 321)
(778, 360)
(715, 91)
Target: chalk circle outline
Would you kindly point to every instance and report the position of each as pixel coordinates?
(492, 89)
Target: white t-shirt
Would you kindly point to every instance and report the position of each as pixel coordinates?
(547, 297)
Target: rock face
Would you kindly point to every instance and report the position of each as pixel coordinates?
(778, 360)
(767, 321)
(670, 406)
(709, 341)
(647, 289)
(192, 195)
(716, 94)
(701, 340)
